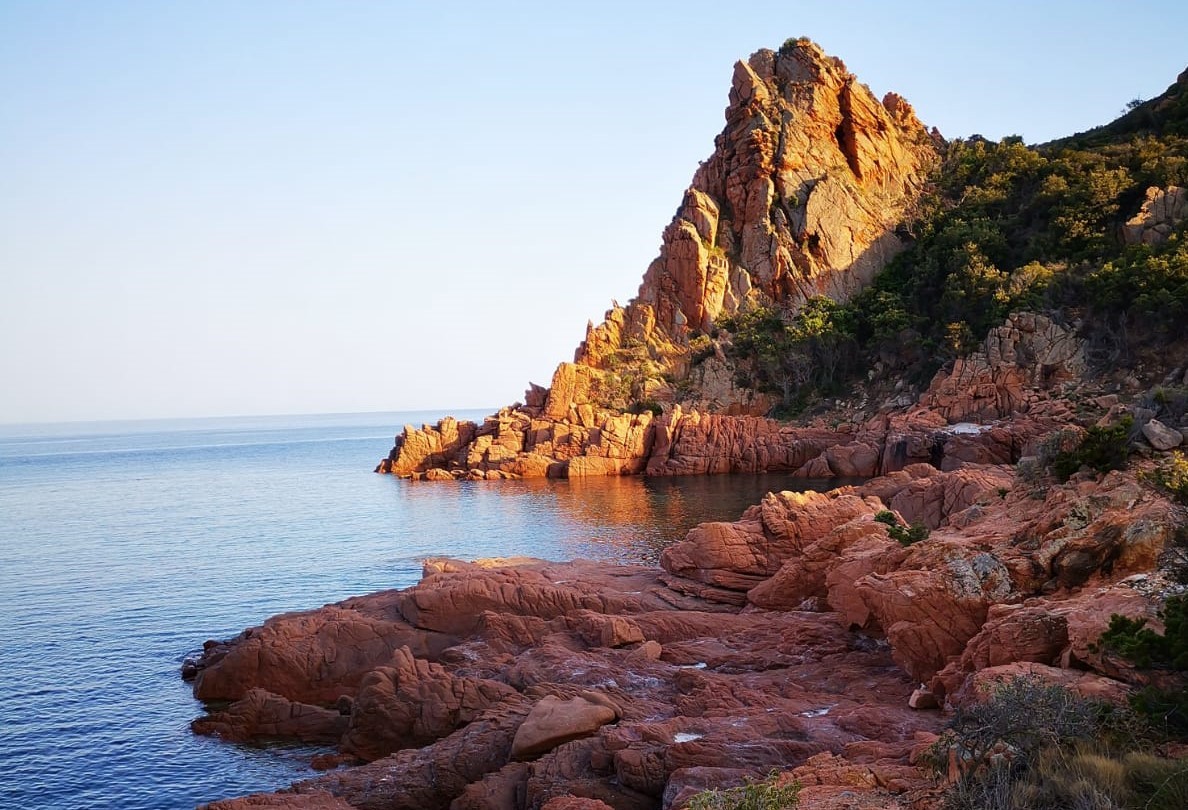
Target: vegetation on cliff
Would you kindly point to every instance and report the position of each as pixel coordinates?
(1003, 227)
(1036, 746)
(772, 793)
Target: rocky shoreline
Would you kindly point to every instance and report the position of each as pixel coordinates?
(801, 638)
(818, 635)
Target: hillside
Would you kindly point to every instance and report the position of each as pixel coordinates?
(989, 335)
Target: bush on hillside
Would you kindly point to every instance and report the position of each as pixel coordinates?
(904, 535)
(1142, 646)
(1172, 477)
(1102, 449)
(1033, 746)
(768, 794)
(792, 356)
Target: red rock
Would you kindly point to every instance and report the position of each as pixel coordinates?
(933, 499)
(412, 703)
(281, 801)
(553, 721)
(1012, 633)
(453, 603)
(428, 778)
(739, 556)
(312, 657)
(804, 576)
(685, 783)
(1029, 353)
(922, 699)
(263, 714)
(1085, 684)
(928, 616)
(497, 790)
(575, 803)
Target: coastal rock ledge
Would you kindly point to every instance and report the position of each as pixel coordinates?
(796, 638)
(992, 406)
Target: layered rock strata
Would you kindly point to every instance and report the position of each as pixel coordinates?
(796, 637)
(801, 197)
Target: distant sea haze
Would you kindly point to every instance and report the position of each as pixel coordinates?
(128, 544)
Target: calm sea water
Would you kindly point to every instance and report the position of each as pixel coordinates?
(125, 545)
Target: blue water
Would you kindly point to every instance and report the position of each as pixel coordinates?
(126, 545)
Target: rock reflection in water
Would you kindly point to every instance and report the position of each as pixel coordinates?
(633, 519)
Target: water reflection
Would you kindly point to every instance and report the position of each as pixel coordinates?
(626, 519)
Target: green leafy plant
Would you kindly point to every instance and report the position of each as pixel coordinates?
(1102, 449)
(771, 793)
(1139, 644)
(701, 348)
(646, 406)
(792, 355)
(904, 535)
(1165, 709)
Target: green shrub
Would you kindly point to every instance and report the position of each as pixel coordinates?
(1032, 746)
(794, 355)
(1142, 646)
(768, 794)
(904, 535)
(1165, 709)
(792, 44)
(646, 406)
(1102, 449)
(701, 348)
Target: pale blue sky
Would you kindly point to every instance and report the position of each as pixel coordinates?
(245, 207)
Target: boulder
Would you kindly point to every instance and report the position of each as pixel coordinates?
(553, 721)
(1161, 436)
(1161, 210)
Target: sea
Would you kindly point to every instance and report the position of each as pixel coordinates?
(125, 545)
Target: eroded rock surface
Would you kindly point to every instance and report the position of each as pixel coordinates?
(797, 637)
(1162, 210)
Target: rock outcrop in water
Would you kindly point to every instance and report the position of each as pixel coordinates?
(798, 635)
(1007, 388)
(801, 197)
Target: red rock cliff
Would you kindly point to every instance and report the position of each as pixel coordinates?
(801, 197)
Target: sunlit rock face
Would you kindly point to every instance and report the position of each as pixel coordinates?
(801, 197)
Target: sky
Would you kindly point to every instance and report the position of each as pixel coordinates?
(292, 206)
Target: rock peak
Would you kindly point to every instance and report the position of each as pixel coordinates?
(800, 198)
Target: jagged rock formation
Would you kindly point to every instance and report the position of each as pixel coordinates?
(1019, 364)
(1162, 210)
(801, 197)
(1015, 374)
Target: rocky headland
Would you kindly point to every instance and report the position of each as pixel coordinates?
(827, 636)
(801, 637)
